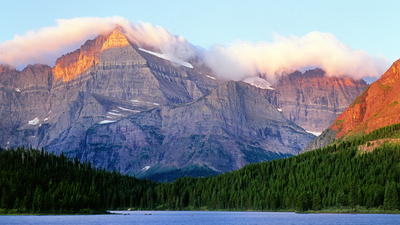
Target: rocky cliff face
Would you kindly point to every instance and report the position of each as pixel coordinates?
(376, 107)
(80, 62)
(313, 100)
(224, 130)
(125, 108)
(23, 96)
(107, 66)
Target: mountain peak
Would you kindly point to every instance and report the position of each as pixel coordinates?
(392, 75)
(377, 107)
(82, 60)
(116, 39)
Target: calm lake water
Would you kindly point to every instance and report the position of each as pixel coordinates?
(214, 218)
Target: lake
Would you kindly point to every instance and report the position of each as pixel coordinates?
(214, 218)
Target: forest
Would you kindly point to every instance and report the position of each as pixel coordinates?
(338, 175)
(33, 181)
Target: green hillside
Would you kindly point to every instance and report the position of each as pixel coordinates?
(338, 176)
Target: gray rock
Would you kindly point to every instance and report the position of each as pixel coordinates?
(322, 140)
(231, 126)
(125, 109)
(313, 100)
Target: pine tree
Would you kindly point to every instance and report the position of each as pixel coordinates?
(25, 203)
(17, 203)
(394, 196)
(317, 202)
(302, 202)
(391, 200)
(352, 195)
(37, 203)
(387, 198)
(360, 197)
(114, 201)
(4, 200)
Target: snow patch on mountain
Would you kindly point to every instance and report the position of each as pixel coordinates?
(34, 121)
(130, 110)
(145, 168)
(314, 133)
(169, 58)
(115, 114)
(107, 121)
(210, 77)
(258, 82)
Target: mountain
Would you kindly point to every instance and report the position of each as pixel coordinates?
(60, 96)
(378, 106)
(312, 100)
(231, 126)
(138, 111)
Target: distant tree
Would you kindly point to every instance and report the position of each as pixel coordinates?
(302, 202)
(317, 202)
(360, 197)
(378, 198)
(17, 203)
(391, 200)
(4, 199)
(37, 204)
(352, 195)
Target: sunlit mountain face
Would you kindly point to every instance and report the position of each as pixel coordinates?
(376, 107)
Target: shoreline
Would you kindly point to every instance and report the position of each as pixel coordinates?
(340, 210)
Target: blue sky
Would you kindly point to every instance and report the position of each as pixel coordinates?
(371, 26)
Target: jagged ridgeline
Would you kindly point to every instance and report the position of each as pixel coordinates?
(33, 181)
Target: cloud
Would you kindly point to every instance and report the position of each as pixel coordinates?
(286, 54)
(47, 44)
(237, 61)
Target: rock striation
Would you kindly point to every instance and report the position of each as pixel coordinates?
(312, 100)
(224, 130)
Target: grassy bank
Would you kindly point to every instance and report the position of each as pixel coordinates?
(357, 209)
(52, 212)
(334, 209)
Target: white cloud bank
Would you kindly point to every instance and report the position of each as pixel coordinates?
(286, 54)
(49, 43)
(239, 60)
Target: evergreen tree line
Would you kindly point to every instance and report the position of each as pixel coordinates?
(36, 181)
(328, 177)
(383, 132)
(336, 175)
